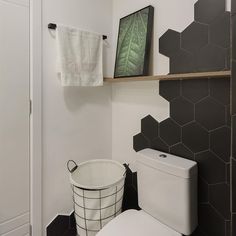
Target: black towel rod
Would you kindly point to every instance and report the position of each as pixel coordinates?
(54, 26)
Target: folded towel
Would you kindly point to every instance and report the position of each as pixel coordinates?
(79, 57)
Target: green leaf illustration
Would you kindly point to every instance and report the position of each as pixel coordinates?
(132, 44)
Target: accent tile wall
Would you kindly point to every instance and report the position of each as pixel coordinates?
(204, 45)
(199, 127)
(233, 110)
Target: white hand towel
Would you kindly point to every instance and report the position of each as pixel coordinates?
(79, 57)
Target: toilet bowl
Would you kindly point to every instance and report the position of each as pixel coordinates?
(136, 223)
(167, 193)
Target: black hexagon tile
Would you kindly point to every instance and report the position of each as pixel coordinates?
(228, 228)
(210, 221)
(198, 232)
(203, 191)
(170, 131)
(228, 116)
(233, 7)
(194, 37)
(233, 87)
(182, 62)
(234, 224)
(205, 11)
(169, 89)
(211, 168)
(169, 43)
(140, 142)
(210, 114)
(220, 142)
(228, 173)
(159, 144)
(211, 58)
(195, 90)
(228, 59)
(182, 151)
(234, 184)
(149, 127)
(220, 30)
(234, 136)
(195, 137)
(219, 198)
(219, 90)
(233, 22)
(181, 111)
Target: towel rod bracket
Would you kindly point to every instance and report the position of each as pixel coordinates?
(53, 26)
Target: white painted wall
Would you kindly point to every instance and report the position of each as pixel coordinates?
(76, 121)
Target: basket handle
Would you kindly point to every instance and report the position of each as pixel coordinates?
(71, 170)
(126, 169)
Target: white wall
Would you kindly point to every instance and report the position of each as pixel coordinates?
(76, 121)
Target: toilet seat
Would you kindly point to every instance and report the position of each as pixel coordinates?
(136, 223)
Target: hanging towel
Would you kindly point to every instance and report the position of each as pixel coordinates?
(79, 57)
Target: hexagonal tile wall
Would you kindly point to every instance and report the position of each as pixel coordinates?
(195, 137)
(195, 90)
(205, 11)
(220, 30)
(149, 127)
(221, 149)
(194, 37)
(182, 62)
(199, 124)
(208, 108)
(216, 90)
(198, 129)
(218, 197)
(211, 222)
(177, 106)
(211, 168)
(170, 132)
(233, 110)
(170, 89)
(170, 43)
(204, 45)
(211, 58)
(140, 142)
(181, 150)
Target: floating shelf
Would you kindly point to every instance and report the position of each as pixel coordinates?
(201, 75)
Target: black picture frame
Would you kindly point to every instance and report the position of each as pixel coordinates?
(143, 69)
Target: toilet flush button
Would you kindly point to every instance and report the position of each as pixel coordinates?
(163, 156)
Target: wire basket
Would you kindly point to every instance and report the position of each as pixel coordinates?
(98, 188)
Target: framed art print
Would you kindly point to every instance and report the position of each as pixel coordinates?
(134, 44)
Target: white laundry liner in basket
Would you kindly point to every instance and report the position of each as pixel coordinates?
(98, 188)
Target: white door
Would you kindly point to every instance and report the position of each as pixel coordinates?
(14, 118)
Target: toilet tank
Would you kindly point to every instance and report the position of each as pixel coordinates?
(167, 189)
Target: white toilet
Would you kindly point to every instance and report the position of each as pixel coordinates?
(167, 192)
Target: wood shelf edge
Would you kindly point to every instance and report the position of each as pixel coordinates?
(214, 74)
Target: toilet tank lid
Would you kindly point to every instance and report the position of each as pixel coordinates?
(168, 163)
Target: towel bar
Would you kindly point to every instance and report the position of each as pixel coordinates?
(54, 26)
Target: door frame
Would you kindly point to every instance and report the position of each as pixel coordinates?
(36, 118)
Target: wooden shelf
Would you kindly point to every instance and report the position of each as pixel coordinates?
(201, 75)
